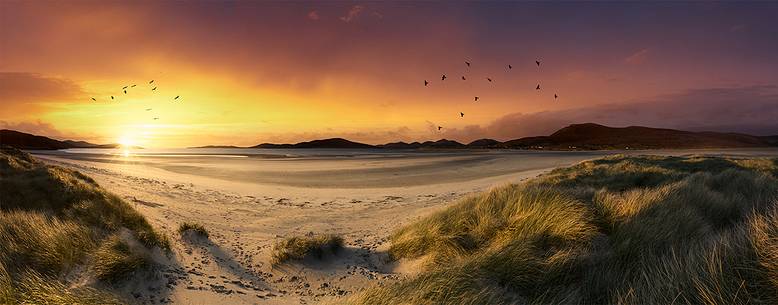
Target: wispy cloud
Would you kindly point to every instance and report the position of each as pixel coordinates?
(738, 28)
(353, 12)
(313, 15)
(638, 57)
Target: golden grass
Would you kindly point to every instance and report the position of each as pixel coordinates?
(35, 288)
(309, 246)
(196, 228)
(115, 260)
(618, 230)
(53, 220)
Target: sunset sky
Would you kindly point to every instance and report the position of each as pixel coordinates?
(253, 72)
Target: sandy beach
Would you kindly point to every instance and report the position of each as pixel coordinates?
(249, 201)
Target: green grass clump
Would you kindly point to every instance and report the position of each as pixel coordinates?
(617, 230)
(301, 247)
(194, 227)
(53, 220)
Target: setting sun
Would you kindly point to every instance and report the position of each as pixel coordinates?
(126, 141)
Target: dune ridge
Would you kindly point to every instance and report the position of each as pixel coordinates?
(58, 228)
(616, 230)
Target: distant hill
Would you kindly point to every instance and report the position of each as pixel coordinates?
(23, 140)
(485, 143)
(442, 143)
(326, 143)
(217, 146)
(401, 145)
(592, 136)
(85, 144)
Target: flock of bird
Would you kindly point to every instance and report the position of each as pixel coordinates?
(426, 83)
(489, 79)
(153, 89)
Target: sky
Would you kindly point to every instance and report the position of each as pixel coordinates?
(253, 72)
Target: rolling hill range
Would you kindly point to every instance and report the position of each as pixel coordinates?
(588, 136)
(591, 136)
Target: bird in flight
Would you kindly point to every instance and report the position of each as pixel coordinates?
(538, 87)
(439, 127)
(151, 82)
(155, 88)
(443, 77)
(555, 96)
(94, 99)
(461, 114)
(476, 98)
(125, 91)
(133, 86)
(537, 62)
(125, 87)
(510, 67)
(111, 96)
(425, 83)
(156, 118)
(177, 96)
(489, 79)
(463, 77)
(148, 109)
(467, 63)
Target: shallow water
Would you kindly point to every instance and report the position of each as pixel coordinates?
(350, 168)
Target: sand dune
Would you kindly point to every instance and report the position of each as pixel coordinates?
(248, 203)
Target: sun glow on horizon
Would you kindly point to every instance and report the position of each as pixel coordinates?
(126, 141)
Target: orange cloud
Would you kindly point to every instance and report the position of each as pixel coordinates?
(34, 87)
(24, 95)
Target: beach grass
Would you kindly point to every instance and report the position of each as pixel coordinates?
(196, 228)
(54, 220)
(115, 260)
(308, 246)
(617, 230)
